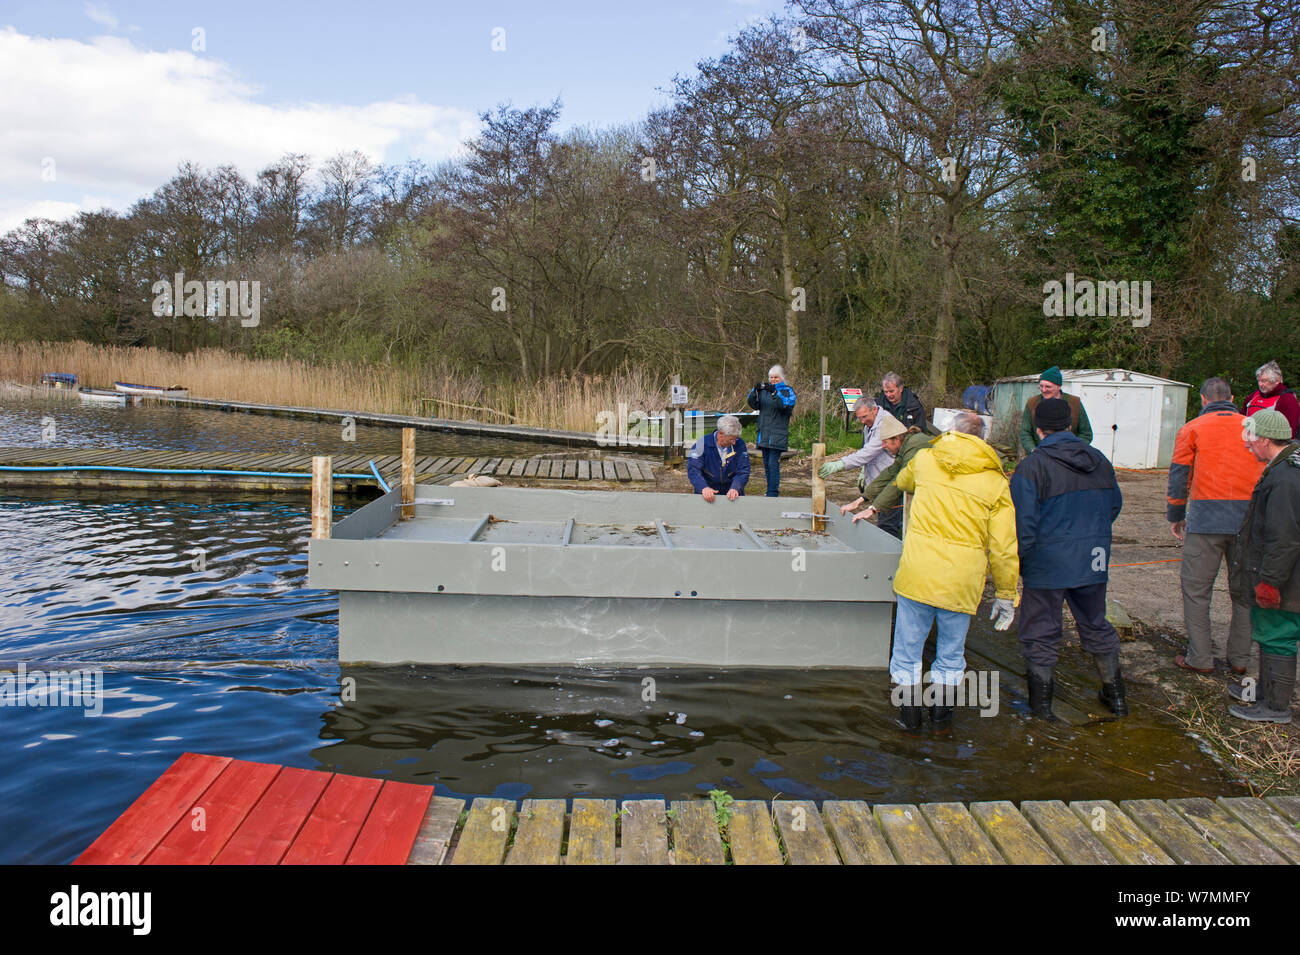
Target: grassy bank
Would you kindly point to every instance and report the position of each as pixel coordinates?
(566, 403)
(571, 404)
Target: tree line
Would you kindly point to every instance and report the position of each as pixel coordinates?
(887, 182)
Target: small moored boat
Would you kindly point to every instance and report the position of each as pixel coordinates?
(99, 396)
(59, 379)
(152, 391)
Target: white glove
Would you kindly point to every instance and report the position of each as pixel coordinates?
(1004, 611)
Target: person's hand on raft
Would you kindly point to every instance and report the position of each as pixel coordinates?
(709, 494)
(864, 515)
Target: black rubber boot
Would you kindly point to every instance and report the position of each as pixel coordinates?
(909, 713)
(941, 711)
(1111, 695)
(1276, 684)
(1042, 685)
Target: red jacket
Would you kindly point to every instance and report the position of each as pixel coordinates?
(1212, 475)
(1282, 399)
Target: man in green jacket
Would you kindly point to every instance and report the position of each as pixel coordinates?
(1049, 386)
(886, 499)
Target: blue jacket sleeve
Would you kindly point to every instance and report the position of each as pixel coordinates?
(1024, 497)
(694, 463)
(742, 467)
(786, 394)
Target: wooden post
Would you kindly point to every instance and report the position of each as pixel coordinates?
(408, 473)
(818, 487)
(822, 388)
(322, 497)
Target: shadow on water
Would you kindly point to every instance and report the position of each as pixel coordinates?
(816, 734)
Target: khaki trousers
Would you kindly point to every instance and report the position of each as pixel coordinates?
(1202, 555)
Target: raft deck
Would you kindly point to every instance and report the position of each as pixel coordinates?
(257, 813)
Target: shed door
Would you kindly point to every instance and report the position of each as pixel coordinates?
(1099, 401)
(1132, 428)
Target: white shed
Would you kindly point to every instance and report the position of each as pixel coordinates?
(1134, 417)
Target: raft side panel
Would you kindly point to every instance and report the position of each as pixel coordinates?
(420, 628)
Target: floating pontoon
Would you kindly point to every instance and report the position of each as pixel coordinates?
(532, 576)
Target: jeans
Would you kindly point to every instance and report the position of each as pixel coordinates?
(911, 630)
(772, 470)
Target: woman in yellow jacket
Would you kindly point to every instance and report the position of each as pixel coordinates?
(961, 521)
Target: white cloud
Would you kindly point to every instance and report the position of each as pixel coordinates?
(14, 213)
(100, 13)
(117, 119)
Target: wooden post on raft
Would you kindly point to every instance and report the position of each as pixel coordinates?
(408, 473)
(818, 487)
(322, 497)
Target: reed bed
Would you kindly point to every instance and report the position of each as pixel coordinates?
(1265, 753)
(571, 404)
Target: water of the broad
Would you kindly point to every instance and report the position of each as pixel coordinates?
(233, 655)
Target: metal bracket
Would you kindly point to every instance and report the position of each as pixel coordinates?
(427, 500)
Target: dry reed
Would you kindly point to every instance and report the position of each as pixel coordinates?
(565, 403)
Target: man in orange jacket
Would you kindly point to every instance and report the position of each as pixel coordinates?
(1211, 479)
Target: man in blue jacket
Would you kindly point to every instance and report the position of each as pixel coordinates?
(1066, 499)
(718, 463)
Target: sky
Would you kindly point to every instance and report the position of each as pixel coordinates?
(102, 100)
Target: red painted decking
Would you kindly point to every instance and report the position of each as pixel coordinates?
(213, 810)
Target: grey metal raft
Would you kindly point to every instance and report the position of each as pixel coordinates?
(532, 576)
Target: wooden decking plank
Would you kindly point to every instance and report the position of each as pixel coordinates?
(392, 825)
(960, 835)
(695, 834)
(1171, 832)
(545, 468)
(330, 831)
(1227, 834)
(439, 464)
(504, 467)
(607, 468)
(530, 469)
(643, 828)
(570, 470)
(804, 834)
(584, 470)
(485, 833)
(857, 837)
(540, 834)
(271, 826)
(1014, 837)
(1255, 815)
(436, 832)
(198, 836)
(909, 835)
(517, 469)
(621, 472)
(1061, 829)
(135, 833)
(1288, 806)
(1118, 833)
(490, 466)
(591, 832)
(750, 833)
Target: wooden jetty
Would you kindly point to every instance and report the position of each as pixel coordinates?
(290, 472)
(257, 813)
